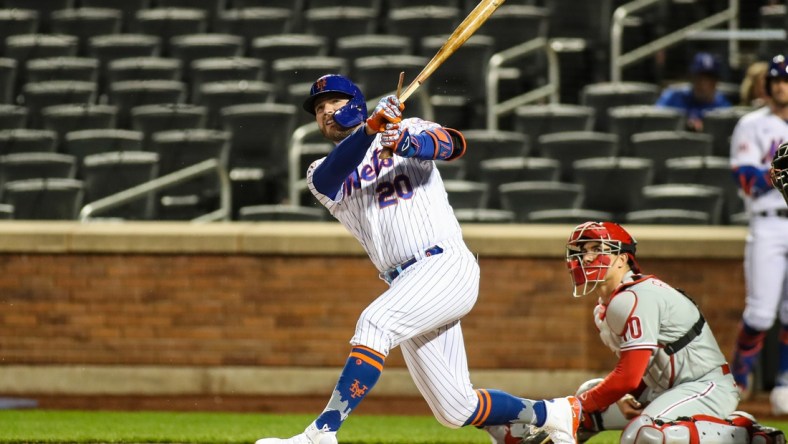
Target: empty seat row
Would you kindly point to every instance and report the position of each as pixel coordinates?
(569, 146)
(266, 59)
(248, 23)
(111, 172)
(525, 197)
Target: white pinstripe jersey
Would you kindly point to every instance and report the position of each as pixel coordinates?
(755, 139)
(396, 208)
(650, 314)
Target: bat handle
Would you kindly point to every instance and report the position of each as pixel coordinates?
(386, 152)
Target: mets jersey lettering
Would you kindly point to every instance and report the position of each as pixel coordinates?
(370, 201)
(367, 172)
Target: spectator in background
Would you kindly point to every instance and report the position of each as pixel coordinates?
(701, 95)
(753, 86)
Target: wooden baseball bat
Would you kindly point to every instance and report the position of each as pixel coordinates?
(461, 34)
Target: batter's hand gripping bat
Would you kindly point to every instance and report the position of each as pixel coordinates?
(461, 34)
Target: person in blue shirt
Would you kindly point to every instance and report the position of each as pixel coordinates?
(701, 95)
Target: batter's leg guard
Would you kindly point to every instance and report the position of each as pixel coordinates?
(511, 434)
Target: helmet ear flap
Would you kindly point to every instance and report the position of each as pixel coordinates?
(353, 113)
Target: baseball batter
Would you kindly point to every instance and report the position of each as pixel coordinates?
(671, 382)
(398, 210)
(753, 146)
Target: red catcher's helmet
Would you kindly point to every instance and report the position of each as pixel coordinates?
(613, 240)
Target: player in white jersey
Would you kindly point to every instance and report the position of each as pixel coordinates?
(754, 143)
(671, 382)
(398, 210)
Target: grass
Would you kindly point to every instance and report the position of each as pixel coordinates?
(53, 426)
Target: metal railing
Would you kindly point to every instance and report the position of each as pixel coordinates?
(294, 155)
(619, 61)
(142, 191)
(496, 69)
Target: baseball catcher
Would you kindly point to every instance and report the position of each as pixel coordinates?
(671, 383)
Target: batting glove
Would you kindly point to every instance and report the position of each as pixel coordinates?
(401, 142)
(389, 110)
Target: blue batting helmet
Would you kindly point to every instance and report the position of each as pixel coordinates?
(350, 115)
(778, 69)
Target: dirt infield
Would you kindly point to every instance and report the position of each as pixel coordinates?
(388, 405)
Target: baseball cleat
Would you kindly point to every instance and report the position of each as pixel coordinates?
(312, 435)
(512, 433)
(500, 434)
(537, 436)
(563, 419)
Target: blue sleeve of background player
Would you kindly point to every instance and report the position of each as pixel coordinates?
(341, 161)
(752, 180)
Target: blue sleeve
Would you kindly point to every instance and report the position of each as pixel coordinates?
(721, 101)
(752, 180)
(674, 98)
(666, 98)
(341, 161)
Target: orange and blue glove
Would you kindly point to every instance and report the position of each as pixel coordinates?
(389, 110)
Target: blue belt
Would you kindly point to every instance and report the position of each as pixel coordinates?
(391, 274)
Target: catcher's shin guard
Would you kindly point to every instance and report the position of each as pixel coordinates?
(699, 429)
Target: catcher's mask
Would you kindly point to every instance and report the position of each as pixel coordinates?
(589, 250)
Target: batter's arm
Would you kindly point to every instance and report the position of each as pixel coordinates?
(329, 176)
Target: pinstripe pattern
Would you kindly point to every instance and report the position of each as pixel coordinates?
(397, 209)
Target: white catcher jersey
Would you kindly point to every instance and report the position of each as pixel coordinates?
(370, 204)
(755, 139)
(649, 314)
